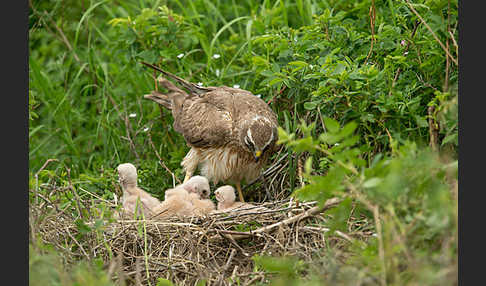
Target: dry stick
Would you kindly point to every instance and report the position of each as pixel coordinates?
(325, 229)
(36, 176)
(78, 205)
(98, 197)
(381, 250)
(228, 262)
(161, 162)
(372, 24)
(432, 32)
(259, 212)
(267, 172)
(80, 246)
(454, 41)
(310, 212)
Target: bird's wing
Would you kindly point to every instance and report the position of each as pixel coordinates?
(206, 121)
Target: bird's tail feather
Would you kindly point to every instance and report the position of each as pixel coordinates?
(189, 85)
(160, 98)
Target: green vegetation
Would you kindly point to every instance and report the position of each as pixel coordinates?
(365, 92)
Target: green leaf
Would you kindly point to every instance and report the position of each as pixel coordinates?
(283, 136)
(331, 125)
(81, 226)
(371, 183)
(308, 165)
(163, 282)
(310, 105)
(340, 215)
(348, 129)
(303, 145)
(450, 138)
(421, 122)
(148, 56)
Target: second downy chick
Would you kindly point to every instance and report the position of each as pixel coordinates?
(225, 196)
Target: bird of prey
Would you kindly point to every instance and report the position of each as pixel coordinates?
(231, 132)
(225, 196)
(133, 197)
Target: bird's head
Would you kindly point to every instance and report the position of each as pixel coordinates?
(198, 185)
(259, 137)
(127, 175)
(225, 194)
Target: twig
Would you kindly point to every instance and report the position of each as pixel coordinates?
(446, 76)
(36, 176)
(98, 197)
(325, 229)
(267, 172)
(80, 246)
(78, 205)
(315, 210)
(228, 262)
(432, 32)
(372, 24)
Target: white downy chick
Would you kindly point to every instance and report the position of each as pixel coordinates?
(177, 203)
(225, 196)
(196, 184)
(127, 177)
(202, 207)
(185, 199)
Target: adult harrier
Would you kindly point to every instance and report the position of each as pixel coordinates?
(231, 132)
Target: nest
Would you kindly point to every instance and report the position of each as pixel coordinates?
(217, 248)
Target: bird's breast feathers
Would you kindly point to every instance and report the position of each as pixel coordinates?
(227, 164)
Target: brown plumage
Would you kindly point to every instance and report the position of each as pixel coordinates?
(225, 196)
(231, 132)
(133, 197)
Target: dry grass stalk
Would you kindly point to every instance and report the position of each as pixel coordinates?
(218, 248)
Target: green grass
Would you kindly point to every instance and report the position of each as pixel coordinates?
(311, 59)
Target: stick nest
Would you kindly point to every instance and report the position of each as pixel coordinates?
(217, 248)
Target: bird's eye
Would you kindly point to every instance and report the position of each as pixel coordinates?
(249, 144)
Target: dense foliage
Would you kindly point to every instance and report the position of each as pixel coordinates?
(365, 92)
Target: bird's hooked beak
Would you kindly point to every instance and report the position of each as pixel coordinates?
(257, 155)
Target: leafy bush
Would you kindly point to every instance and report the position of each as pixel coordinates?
(360, 88)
